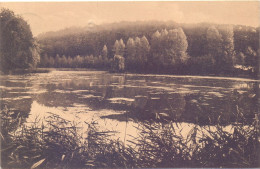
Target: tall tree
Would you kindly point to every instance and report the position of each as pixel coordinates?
(18, 49)
(228, 53)
(240, 58)
(104, 52)
(138, 49)
(177, 46)
(118, 63)
(130, 53)
(156, 50)
(116, 48)
(119, 47)
(214, 44)
(145, 48)
(251, 57)
(63, 61)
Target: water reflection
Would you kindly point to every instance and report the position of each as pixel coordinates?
(190, 99)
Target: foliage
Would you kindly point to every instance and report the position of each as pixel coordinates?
(104, 52)
(137, 52)
(118, 63)
(18, 47)
(99, 62)
(119, 47)
(162, 47)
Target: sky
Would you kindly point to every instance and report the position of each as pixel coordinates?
(53, 16)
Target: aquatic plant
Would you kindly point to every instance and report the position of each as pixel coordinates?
(59, 143)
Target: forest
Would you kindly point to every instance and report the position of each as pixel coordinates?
(155, 47)
(140, 47)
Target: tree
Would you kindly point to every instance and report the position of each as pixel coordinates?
(251, 57)
(130, 53)
(228, 53)
(240, 59)
(169, 48)
(145, 48)
(156, 49)
(57, 60)
(44, 61)
(69, 61)
(177, 46)
(119, 47)
(118, 63)
(78, 61)
(104, 52)
(137, 51)
(138, 56)
(214, 44)
(18, 49)
(51, 62)
(116, 47)
(63, 61)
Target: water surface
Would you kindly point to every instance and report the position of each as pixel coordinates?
(113, 99)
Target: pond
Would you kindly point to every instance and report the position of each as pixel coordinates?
(119, 101)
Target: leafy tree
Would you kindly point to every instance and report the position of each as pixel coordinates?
(17, 45)
(155, 48)
(118, 63)
(138, 54)
(169, 48)
(51, 62)
(104, 51)
(214, 44)
(63, 61)
(177, 46)
(44, 61)
(119, 47)
(57, 60)
(240, 59)
(145, 48)
(116, 48)
(130, 53)
(69, 61)
(251, 57)
(228, 53)
(78, 61)
(137, 51)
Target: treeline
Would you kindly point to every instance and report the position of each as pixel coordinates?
(160, 47)
(76, 62)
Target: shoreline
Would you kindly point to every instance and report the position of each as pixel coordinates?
(210, 76)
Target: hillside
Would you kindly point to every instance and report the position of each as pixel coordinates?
(90, 40)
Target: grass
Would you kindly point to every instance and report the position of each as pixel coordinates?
(59, 143)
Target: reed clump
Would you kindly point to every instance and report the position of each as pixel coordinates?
(59, 143)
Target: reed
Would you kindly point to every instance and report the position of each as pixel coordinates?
(59, 143)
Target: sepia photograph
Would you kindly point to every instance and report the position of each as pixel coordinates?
(129, 84)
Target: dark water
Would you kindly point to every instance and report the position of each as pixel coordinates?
(192, 99)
